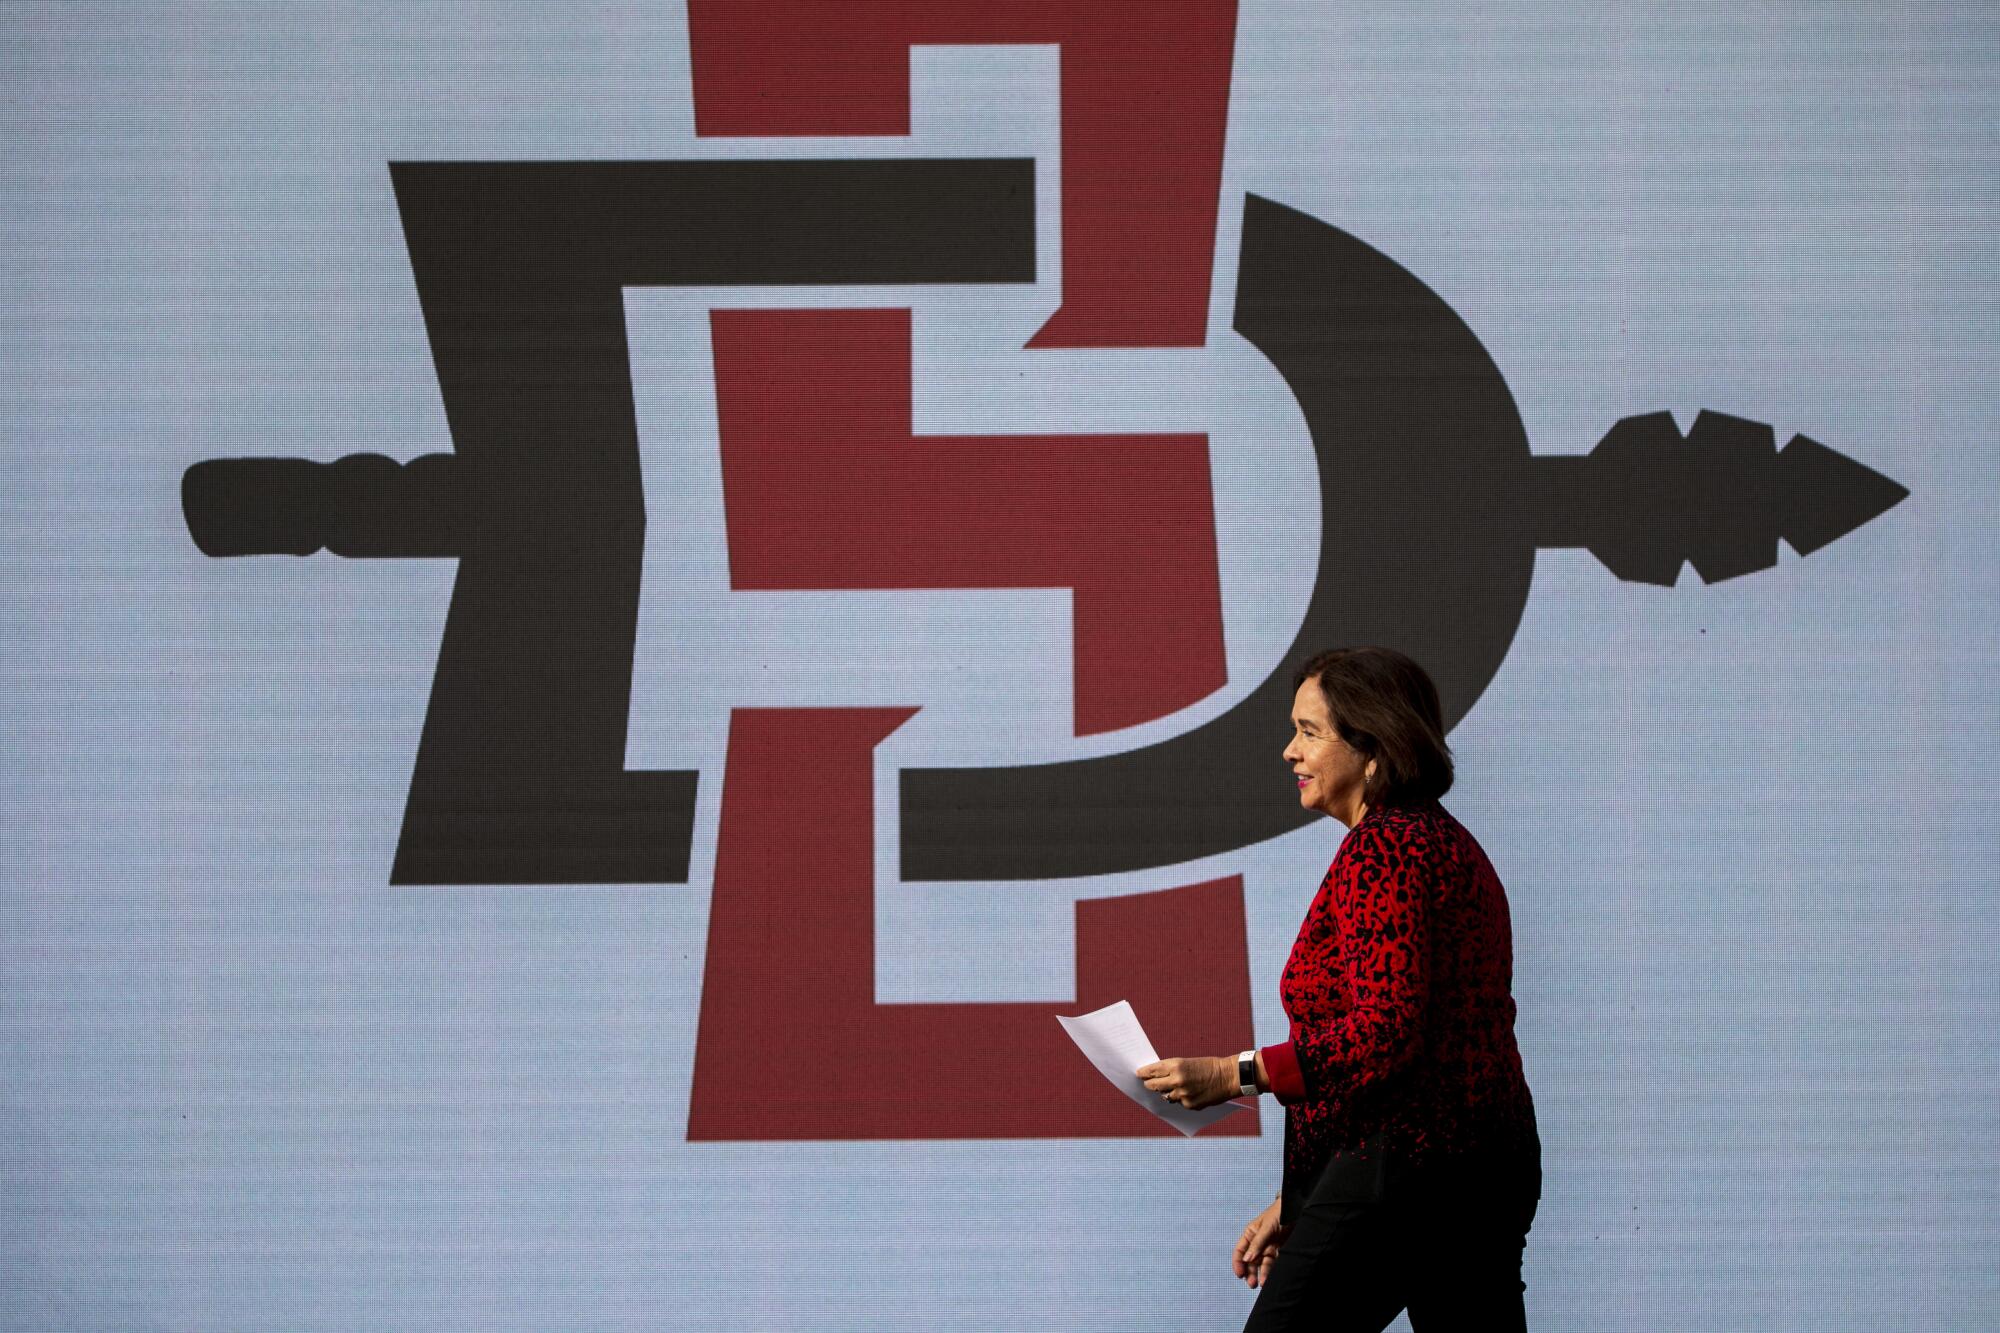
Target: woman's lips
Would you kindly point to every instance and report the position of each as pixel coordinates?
(1304, 780)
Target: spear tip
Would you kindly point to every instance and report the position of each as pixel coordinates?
(1828, 495)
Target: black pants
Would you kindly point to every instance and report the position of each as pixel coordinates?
(1376, 1236)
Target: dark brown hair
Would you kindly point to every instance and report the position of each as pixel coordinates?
(1386, 707)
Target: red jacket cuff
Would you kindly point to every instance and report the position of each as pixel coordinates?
(1281, 1066)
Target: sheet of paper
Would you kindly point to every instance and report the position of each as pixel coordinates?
(1112, 1039)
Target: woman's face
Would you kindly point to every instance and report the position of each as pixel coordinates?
(1331, 773)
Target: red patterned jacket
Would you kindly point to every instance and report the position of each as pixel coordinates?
(1399, 995)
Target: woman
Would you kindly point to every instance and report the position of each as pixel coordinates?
(1412, 1166)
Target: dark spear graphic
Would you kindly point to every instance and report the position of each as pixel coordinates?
(1432, 506)
(1643, 502)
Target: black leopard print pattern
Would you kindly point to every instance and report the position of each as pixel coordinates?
(1399, 994)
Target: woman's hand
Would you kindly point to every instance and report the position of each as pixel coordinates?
(1201, 1080)
(1257, 1248)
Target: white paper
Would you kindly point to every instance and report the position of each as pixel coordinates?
(1112, 1039)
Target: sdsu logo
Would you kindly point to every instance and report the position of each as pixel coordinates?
(522, 270)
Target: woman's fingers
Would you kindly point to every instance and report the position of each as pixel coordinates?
(1175, 1079)
(1257, 1266)
(1196, 1083)
(1257, 1247)
(1253, 1247)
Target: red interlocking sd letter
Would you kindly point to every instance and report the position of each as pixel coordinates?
(827, 487)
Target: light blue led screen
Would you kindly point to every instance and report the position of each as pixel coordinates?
(838, 510)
